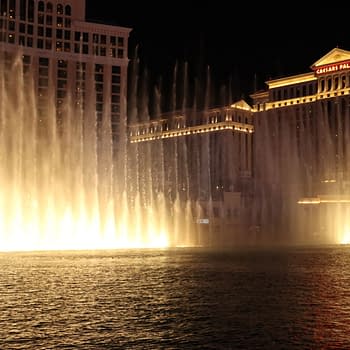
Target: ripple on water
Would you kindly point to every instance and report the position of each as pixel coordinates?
(174, 299)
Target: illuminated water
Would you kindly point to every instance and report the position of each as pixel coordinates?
(304, 156)
(288, 298)
(64, 185)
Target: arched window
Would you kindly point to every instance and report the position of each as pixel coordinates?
(59, 9)
(68, 10)
(336, 83)
(12, 8)
(49, 7)
(323, 85)
(329, 84)
(3, 7)
(343, 81)
(41, 6)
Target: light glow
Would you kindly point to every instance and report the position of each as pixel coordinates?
(324, 199)
(346, 237)
(148, 135)
(59, 187)
(65, 230)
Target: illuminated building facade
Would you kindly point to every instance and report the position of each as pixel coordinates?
(206, 157)
(68, 56)
(302, 154)
(259, 167)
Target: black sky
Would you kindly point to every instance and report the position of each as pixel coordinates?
(246, 42)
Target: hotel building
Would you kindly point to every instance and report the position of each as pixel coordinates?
(279, 168)
(69, 57)
(302, 152)
(204, 157)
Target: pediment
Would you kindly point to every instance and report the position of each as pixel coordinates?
(241, 104)
(333, 56)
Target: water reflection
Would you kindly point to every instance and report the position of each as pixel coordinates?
(175, 299)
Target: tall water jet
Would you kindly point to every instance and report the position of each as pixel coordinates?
(201, 153)
(60, 184)
(301, 155)
(159, 168)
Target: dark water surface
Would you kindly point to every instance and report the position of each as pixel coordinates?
(285, 298)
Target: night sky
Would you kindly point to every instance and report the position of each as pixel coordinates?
(244, 46)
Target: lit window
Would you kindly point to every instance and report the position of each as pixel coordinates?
(59, 9)
(59, 46)
(59, 21)
(62, 63)
(11, 39)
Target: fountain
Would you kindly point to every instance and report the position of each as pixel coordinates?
(195, 155)
(159, 171)
(60, 185)
(67, 185)
(301, 177)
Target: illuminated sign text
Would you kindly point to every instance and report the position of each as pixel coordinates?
(333, 67)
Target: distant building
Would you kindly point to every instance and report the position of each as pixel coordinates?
(205, 158)
(254, 170)
(302, 149)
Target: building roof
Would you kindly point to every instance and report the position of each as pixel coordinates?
(291, 80)
(336, 55)
(241, 104)
(333, 56)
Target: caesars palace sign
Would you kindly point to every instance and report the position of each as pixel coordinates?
(335, 67)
